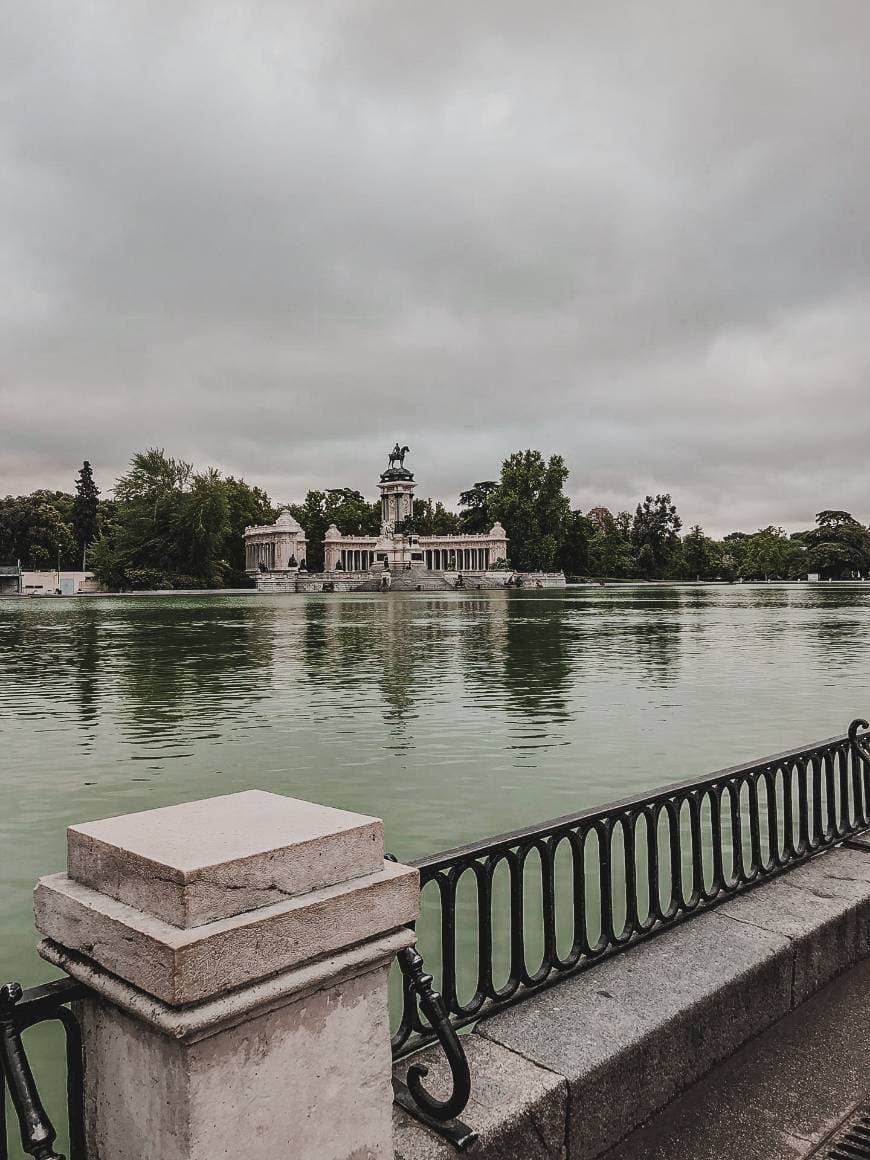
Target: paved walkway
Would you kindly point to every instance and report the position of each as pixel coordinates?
(783, 1096)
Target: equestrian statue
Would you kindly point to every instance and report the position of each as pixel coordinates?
(397, 455)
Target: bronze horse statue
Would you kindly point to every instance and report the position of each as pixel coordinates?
(397, 455)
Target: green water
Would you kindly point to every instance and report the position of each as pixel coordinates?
(451, 716)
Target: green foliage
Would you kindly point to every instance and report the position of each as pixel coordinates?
(574, 550)
(85, 509)
(347, 509)
(838, 548)
(37, 530)
(610, 552)
(476, 516)
(174, 527)
(247, 506)
(699, 558)
(770, 554)
(435, 519)
(531, 505)
(655, 533)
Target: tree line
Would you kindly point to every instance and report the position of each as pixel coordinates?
(168, 525)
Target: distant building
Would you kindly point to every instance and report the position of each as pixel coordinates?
(66, 582)
(282, 545)
(10, 579)
(275, 547)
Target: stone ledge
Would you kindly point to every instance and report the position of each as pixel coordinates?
(188, 966)
(631, 1034)
(823, 908)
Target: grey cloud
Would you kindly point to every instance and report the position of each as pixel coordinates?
(275, 237)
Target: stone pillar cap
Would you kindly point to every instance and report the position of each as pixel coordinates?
(202, 861)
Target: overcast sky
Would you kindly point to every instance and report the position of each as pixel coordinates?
(277, 237)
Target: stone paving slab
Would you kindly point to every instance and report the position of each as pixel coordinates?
(782, 1096)
(631, 1033)
(517, 1109)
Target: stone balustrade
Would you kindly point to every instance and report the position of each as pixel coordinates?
(237, 952)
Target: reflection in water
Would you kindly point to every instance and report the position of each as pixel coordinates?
(84, 656)
(182, 669)
(452, 716)
(536, 670)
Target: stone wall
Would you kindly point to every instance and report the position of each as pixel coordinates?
(543, 579)
(418, 579)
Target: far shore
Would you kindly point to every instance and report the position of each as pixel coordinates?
(585, 583)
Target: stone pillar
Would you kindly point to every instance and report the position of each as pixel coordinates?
(237, 950)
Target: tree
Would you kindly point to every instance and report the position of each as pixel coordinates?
(771, 555)
(530, 503)
(37, 530)
(838, 548)
(655, 534)
(343, 506)
(699, 557)
(433, 519)
(610, 552)
(247, 506)
(174, 527)
(85, 508)
(476, 517)
(575, 548)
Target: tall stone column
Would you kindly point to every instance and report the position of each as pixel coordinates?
(237, 952)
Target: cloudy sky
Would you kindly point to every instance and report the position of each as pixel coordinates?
(277, 236)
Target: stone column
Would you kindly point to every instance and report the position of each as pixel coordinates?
(237, 950)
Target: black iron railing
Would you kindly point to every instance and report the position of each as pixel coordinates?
(20, 1010)
(506, 917)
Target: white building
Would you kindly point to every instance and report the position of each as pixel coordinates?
(282, 546)
(66, 582)
(275, 547)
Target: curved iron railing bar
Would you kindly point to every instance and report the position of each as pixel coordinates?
(413, 1095)
(483, 886)
(18, 1011)
(499, 994)
(532, 978)
(35, 1128)
(75, 1095)
(706, 840)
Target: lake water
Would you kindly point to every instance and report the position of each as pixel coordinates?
(453, 716)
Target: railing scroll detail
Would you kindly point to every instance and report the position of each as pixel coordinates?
(19, 1010)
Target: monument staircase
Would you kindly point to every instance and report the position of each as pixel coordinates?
(419, 579)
